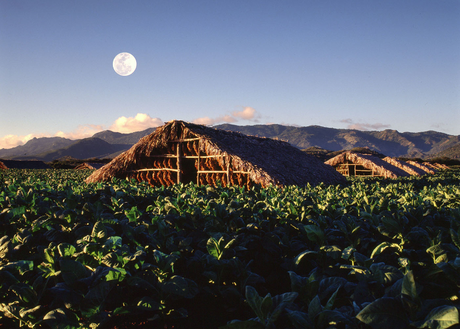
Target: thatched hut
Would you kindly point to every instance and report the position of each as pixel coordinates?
(440, 166)
(182, 152)
(407, 167)
(2, 166)
(356, 164)
(89, 165)
(422, 166)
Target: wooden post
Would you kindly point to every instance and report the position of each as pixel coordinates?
(199, 164)
(179, 174)
(228, 170)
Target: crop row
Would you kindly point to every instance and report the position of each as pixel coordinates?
(369, 254)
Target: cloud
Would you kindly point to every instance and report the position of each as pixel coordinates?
(10, 141)
(83, 131)
(141, 121)
(248, 113)
(364, 126)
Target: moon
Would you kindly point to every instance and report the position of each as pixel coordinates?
(124, 64)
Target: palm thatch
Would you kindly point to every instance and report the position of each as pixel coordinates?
(184, 152)
(430, 165)
(421, 166)
(440, 166)
(407, 167)
(2, 166)
(89, 165)
(356, 164)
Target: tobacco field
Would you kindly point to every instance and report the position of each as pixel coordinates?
(371, 253)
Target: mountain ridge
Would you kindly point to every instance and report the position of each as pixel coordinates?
(107, 144)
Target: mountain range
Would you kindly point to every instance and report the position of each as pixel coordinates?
(108, 144)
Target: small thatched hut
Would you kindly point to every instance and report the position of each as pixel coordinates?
(2, 165)
(407, 167)
(356, 164)
(89, 165)
(422, 166)
(182, 152)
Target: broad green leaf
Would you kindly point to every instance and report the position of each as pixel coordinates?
(440, 318)
(384, 313)
(99, 233)
(149, 304)
(314, 308)
(255, 302)
(66, 249)
(72, 271)
(62, 319)
(180, 286)
(384, 245)
(213, 248)
(300, 320)
(408, 285)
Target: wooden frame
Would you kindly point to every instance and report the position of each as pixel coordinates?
(179, 156)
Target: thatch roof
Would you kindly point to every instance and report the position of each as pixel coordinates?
(25, 164)
(421, 166)
(370, 162)
(407, 167)
(90, 165)
(2, 165)
(265, 161)
(441, 165)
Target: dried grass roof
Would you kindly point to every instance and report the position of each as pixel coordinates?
(380, 167)
(407, 167)
(2, 165)
(421, 166)
(268, 161)
(89, 165)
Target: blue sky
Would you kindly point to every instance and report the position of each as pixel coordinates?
(365, 64)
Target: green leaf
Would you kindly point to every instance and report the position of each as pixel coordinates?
(408, 285)
(384, 245)
(255, 302)
(72, 271)
(440, 318)
(62, 319)
(149, 304)
(384, 313)
(180, 286)
(314, 308)
(99, 233)
(213, 248)
(66, 250)
(300, 320)
(314, 234)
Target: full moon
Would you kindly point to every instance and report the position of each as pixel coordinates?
(124, 64)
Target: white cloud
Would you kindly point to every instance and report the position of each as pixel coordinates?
(248, 113)
(141, 121)
(83, 131)
(364, 126)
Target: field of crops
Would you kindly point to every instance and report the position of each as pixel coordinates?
(370, 254)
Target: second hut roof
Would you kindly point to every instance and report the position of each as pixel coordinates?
(382, 168)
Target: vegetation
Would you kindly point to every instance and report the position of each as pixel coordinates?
(372, 253)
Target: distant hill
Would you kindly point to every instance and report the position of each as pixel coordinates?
(452, 152)
(317, 140)
(388, 142)
(35, 146)
(85, 149)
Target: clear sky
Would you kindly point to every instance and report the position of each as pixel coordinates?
(364, 64)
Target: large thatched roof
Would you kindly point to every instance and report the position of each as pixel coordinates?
(2, 165)
(265, 161)
(370, 162)
(407, 167)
